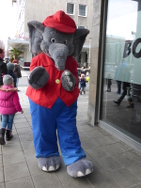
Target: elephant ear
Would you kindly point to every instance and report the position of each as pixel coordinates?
(79, 39)
(35, 36)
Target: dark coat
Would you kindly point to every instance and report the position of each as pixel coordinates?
(3, 70)
(11, 73)
(17, 70)
(82, 83)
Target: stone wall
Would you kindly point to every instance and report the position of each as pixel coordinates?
(94, 58)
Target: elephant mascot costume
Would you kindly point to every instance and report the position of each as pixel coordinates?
(53, 92)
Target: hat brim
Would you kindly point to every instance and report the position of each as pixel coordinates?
(61, 27)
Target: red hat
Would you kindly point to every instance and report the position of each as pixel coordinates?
(61, 22)
(14, 61)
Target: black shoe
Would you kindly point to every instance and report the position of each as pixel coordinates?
(117, 102)
(109, 90)
(9, 135)
(2, 134)
(118, 92)
(130, 106)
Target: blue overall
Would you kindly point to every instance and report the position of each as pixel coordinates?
(61, 120)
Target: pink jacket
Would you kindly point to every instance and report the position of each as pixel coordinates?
(9, 101)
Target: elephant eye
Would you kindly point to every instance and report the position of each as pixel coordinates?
(65, 41)
(52, 40)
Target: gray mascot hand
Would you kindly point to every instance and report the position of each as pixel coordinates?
(38, 77)
(68, 80)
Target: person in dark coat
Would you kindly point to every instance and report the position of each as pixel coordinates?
(10, 71)
(3, 68)
(83, 71)
(109, 82)
(123, 73)
(126, 91)
(17, 71)
(82, 84)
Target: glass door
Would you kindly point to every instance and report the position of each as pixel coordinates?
(121, 101)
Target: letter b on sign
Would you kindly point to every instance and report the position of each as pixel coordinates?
(128, 48)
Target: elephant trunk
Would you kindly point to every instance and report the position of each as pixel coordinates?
(59, 53)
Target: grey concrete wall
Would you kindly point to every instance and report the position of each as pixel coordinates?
(95, 34)
(40, 9)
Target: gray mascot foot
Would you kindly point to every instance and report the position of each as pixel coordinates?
(80, 168)
(49, 164)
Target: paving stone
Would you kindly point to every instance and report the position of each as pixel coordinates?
(16, 171)
(136, 169)
(102, 141)
(20, 183)
(113, 149)
(20, 120)
(16, 157)
(21, 125)
(10, 148)
(124, 146)
(102, 181)
(28, 145)
(86, 143)
(97, 153)
(49, 180)
(2, 185)
(124, 177)
(24, 131)
(92, 134)
(1, 175)
(1, 163)
(34, 169)
(76, 183)
(26, 137)
(30, 156)
(109, 164)
(136, 186)
(126, 158)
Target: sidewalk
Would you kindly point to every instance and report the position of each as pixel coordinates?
(116, 165)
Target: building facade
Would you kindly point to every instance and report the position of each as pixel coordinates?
(28, 10)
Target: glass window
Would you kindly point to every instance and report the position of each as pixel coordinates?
(81, 27)
(82, 10)
(70, 8)
(121, 102)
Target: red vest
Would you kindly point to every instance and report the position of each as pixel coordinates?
(53, 89)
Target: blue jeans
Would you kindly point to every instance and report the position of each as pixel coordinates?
(7, 120)
(118, 87)
(17, 82)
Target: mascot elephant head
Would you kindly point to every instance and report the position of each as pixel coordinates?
(57, 37)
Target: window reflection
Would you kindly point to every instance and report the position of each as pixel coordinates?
(121, 106)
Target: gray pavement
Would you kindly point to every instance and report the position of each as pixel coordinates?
(116, 165)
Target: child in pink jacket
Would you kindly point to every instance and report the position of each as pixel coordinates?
(9, 106)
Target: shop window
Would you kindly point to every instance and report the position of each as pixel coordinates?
(81, 27)
(82, 10)
(70, 8)
(121, 97)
